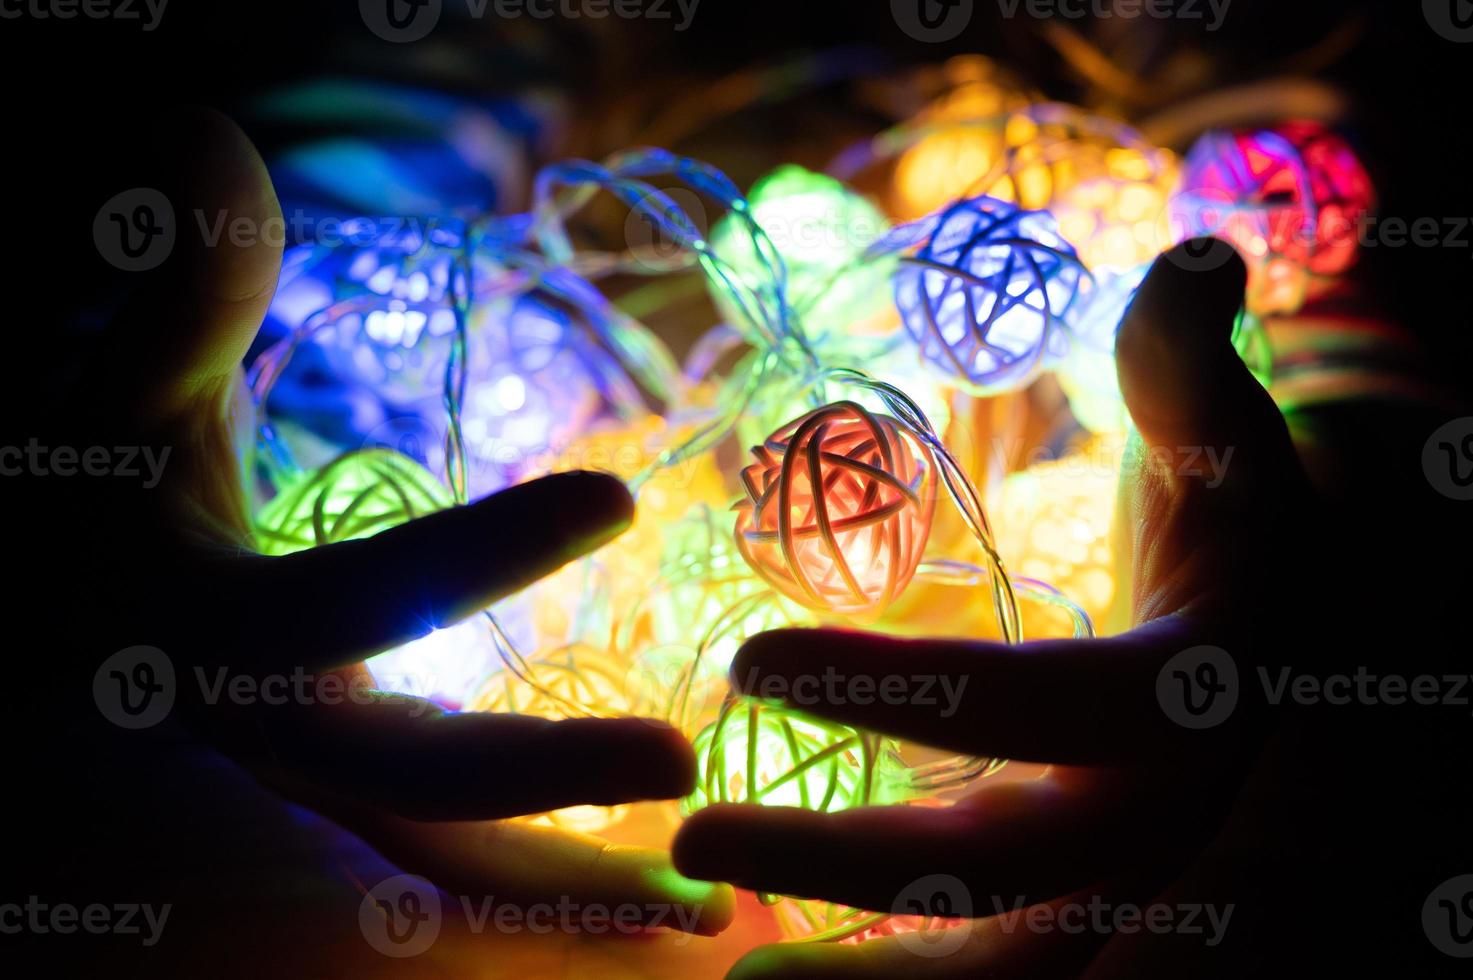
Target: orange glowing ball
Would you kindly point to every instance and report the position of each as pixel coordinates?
(838, 509)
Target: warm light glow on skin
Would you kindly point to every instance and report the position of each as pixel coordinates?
(838, 509)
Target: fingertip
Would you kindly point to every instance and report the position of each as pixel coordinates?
(794, 960)
(776, 652)
(676, 773)
(586, 509)
(711, 904)
(647, 759)
(1192, 294)
(1174, 356)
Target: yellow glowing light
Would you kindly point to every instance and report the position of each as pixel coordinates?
(622, 572)
(574, 682)
(940, 167)
(1108, 189)
(1055, 521)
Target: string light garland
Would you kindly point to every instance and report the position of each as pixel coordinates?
(844, 344)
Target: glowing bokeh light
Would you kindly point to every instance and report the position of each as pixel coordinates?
(1291, 199)
(820, 228)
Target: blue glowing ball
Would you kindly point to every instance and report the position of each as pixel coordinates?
(988, 294)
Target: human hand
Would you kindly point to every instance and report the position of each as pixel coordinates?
(1131, 798)
(172, 566)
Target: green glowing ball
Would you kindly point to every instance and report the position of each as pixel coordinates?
(355, 496)
(756, 752)
(820, 228)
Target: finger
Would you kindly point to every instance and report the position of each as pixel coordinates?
(525, 865)
(413, 759)
(1185, 386)
(1212, 479)
(366, 596)
(1094, 701)
(189, 322)
(1011, 946)
(1009, 844)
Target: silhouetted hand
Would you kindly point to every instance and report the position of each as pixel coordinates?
(1148, 754)
(172, 566)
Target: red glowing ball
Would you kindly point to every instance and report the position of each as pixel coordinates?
(839, 505)
(1292, 199)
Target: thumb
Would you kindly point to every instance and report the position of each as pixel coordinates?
(192, 316)
(1188, 391)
